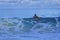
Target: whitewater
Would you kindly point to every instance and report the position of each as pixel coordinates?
(29, 29)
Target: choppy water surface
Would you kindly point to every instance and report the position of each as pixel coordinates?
(28, 28)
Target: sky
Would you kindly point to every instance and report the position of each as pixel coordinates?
(27, 8)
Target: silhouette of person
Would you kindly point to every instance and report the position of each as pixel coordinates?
(35, 17)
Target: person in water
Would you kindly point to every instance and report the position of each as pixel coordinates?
(35, 17)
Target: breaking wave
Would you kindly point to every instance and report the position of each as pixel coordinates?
(27, 25)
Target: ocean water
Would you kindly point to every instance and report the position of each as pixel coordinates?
(30, 29)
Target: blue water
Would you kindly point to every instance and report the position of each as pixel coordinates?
(28, 28)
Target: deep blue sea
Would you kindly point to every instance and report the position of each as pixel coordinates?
(29, 29)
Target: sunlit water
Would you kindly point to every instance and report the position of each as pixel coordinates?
(29, 29)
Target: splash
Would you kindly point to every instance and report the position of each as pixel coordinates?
(28, 25)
